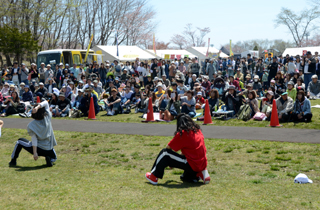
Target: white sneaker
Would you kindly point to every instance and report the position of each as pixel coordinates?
(109, 113)
(63, 115)
(204, 176)
(136, 111)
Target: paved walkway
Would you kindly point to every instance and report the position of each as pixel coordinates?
(154, 129)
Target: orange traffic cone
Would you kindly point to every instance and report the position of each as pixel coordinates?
(274, 121)
(92, 113)
(207, 116)
(150, 117)
(38, 99)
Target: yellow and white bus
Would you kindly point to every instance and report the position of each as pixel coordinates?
(67, 56)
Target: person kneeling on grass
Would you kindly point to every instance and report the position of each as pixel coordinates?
(189, 139)
(112, 104)
(302, 108)
(42, 136)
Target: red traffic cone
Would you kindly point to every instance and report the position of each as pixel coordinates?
(150, 117)
(92, 113)
(38, 99)
(274, 121)
(207, 116)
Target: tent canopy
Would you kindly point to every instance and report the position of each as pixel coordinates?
(201, 52)
(169, 52)
(299, 50)
(126, 53)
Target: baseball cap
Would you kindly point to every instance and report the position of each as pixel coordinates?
(285, 93)
(41, 83)
(199, 93)
(302, 179)
(270, 93)
(194, 75)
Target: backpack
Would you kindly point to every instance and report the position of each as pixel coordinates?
(259, 116)
(75, 113)
(21, 108)
(244, 112)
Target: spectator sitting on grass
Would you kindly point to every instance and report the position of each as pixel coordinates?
(284, 107)
(200, 102)
(302, 108)
(63, 106)
(160, 91)
(213, 103)
(21, 91)
(181, 89)
(232, 101)
(188, 104)
(85, 102)
(27, 95)
(112, 104)
(246, 91)
(300, 84)
(292, 92)
(252, 102)
(266, 104)
(189, 139)
(314, 88)
(173, 107)
(78, 99)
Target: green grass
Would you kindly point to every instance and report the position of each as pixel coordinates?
(106, 171)
(134, 118)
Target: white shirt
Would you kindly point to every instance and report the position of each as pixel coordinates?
(306, 67)
(15, 77)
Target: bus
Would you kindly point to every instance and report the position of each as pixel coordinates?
(67, 56)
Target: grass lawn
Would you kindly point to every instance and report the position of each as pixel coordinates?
(134, 118)
(104, 171)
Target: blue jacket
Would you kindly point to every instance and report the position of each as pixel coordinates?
(85, 103)
(27, 96)
(305, 108)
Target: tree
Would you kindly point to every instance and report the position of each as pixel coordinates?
(195, 37)
(179, 40)
(14, 42)
(255, 48)
(298, 24)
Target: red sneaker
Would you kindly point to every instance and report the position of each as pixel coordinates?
(151, 178)
(204, 176)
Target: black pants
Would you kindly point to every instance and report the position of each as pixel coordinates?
(305, 118)
(168, 157)
(285, 117)
(27, 145)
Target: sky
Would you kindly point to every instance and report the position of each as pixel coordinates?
(238, 20)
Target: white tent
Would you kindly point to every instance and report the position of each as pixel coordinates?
(299, 50)
(126, 53)
(169, 52)
(201, 52)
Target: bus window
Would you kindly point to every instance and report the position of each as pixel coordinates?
(67, 58)
(76, 59)
(47, 57)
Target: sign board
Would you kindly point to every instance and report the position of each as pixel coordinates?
(99, 59)
(186, 56)
(167, 56)
(178, 57)
(266, 55)
(172, 57)
(304, 52)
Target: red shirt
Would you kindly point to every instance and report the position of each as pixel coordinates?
(192, 146)
(200, 100)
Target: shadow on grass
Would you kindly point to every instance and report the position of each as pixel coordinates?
(178, 185)
(30, 168)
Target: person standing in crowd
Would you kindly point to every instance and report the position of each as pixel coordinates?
(273, 68)
(189, 139)
(59, 75)
(309, 66)
(34, 75)
(291, 66)
(16, 74)
(195, 67)
(103, 74)
(42, 71)
(48, 73)
(211, 69)
(25, 74)
(42, 137)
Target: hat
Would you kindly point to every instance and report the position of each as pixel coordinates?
(270, 93)
(314, 76)
(156, 79)
(199, 93)
(291, 59)
(273, 81)
(231, 87)
(164, 75)
(302, 179)
(117, 79)
(309, 53)
(114, 90)
(41, 83)
(23, 64)
(107, 61)
(125, 69)
(238, 69)
(159, 84)
(290, 83)
(256, 77)
(248, 76)
(80, 82)
(71, 83)
(296, 71)
(172, 62)
(173, 84)
(49, 65)
(62, 94)
(11, 86)
(60, 64)
(249, 85)
(42, 63)
(80, 90)
(72, 72)
(284, 93)
(87, 89)
(274, 57)
(108, 64)
(22, 83)
(6, 84)
(95, 81)
(27, 86)
(67, 64)
(194, 75)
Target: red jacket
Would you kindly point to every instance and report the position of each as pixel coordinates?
(236, 84)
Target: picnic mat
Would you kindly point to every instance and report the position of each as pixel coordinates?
(156, 117)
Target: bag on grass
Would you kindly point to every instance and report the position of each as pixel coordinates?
(244, 112)
(21, 108)
(75, 113)
(259, 116)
